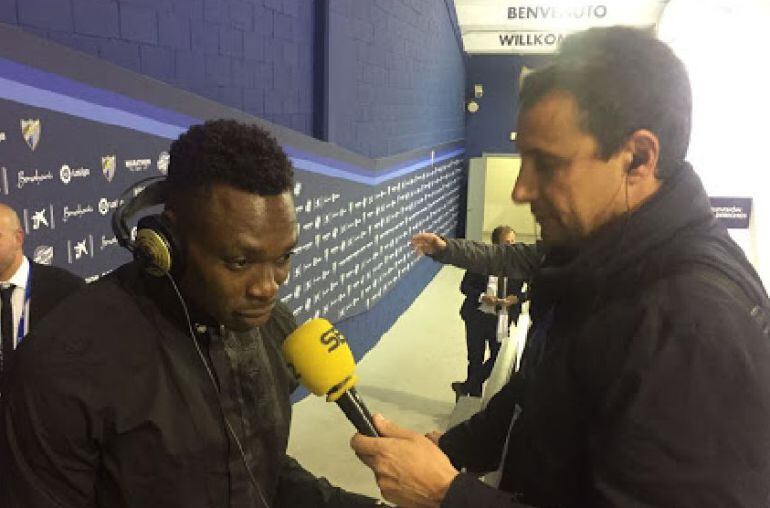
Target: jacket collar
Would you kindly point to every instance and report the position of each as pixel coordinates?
(619, 248)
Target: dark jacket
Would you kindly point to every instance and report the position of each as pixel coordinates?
(110, 405)
(50, 286)
(474, 285)
(646, 376)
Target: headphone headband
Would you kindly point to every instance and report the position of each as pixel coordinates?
(154, 193)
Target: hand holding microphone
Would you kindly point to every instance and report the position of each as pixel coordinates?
(320, 357)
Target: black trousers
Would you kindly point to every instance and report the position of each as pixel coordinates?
(480, 332)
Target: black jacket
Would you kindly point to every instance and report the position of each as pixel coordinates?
(109, 405)
(474, 285)
(646, 377)
(50, 286)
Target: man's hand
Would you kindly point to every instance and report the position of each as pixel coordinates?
(510, 300)
(434, 436)
(489, 300)
(411, 471)
(427, 243)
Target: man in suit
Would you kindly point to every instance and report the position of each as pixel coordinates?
(479, 311)
(28, 291)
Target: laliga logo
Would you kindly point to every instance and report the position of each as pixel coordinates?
(66, 174)
(105, 205)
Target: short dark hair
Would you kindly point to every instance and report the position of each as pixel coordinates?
(499, 231)
(241, 155)
(623, 79)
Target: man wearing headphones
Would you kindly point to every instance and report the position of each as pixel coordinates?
(646, 376)
(163, 384)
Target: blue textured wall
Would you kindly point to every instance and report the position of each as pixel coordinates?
(254, 55)
(363, 331)
(488, 130)
(395, 76)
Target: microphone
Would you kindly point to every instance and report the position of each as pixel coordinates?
(319, 356)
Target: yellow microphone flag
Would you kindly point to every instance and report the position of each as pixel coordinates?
(320, 357)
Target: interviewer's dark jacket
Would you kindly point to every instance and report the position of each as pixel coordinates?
(646, 378)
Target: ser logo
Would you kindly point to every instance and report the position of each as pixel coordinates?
(332, 338)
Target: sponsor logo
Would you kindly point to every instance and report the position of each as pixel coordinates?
(137, 165)
(163, 160)
(30, 131)
(105, 205)
(36, 179)
(107, 242)
(43, 255)
(80, 249)
(76, 211)
(108, 167)
(66, 174)
(39, 219)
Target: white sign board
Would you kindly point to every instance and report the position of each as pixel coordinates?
(498, 26)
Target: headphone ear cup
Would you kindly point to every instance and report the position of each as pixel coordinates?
(156, 246)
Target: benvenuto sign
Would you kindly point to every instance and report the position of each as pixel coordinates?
(494, 26)
(557, 12)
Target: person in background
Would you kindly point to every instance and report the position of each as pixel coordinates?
(28, 290)
(479, 312)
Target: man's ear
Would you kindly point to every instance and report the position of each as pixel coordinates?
(20, 237)
(643, 149)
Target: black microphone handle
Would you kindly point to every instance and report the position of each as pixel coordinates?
(355, 409)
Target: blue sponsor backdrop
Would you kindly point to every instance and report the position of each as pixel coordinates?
(75, 132)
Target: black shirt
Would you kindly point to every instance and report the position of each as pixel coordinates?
(110, 405)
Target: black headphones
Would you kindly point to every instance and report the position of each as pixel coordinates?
(156, 246)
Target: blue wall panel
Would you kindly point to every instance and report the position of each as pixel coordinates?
(395, 76)
(488, 130)
(243, 54)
